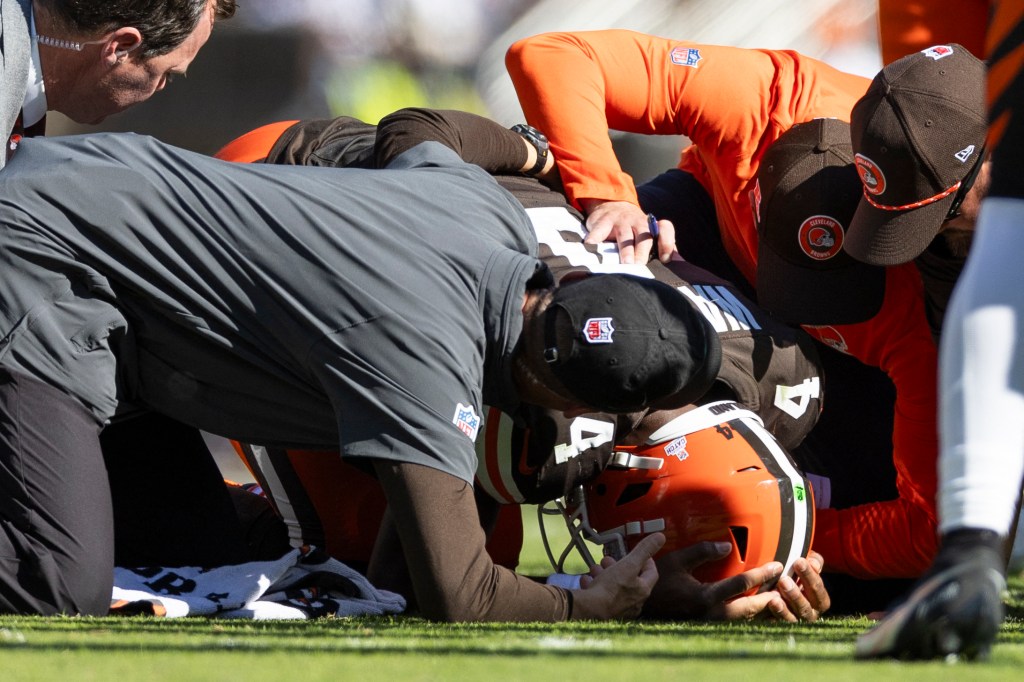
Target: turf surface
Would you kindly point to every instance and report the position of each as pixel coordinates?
(404, 648)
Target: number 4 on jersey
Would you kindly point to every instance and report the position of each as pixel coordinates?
(793, 400)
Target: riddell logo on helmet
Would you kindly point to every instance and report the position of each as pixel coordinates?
(870, 174)
(821, 237)
(598, 330)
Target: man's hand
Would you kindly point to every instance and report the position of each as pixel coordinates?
(806, 597)
(679, 594)
(627, 225)
(618, 589)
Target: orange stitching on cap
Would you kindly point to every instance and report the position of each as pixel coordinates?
(917, 204)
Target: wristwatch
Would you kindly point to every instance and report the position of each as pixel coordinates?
(539, 142)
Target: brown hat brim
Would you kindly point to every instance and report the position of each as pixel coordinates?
(880, 237)
(797, 295)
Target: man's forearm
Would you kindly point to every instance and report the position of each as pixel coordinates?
(452, 575)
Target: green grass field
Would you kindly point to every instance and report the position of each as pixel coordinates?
(138, 648)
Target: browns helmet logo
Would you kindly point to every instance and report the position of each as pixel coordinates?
(821, 237)
(870, 174)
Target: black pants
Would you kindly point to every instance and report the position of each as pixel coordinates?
(63, 520)
(56, 523)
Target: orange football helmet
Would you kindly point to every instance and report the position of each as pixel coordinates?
(713, 473)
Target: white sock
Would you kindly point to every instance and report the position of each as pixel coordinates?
(982, 378)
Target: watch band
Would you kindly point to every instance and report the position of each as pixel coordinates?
(539, 142)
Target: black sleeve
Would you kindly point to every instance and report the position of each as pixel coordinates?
(433, 517)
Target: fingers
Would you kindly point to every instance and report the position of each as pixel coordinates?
(667, 241)
(808, 573)
(816, 561)
(627, 225)
(647, 548)
(726, 589)
(746, 608)
(620, 589)
(795, 599)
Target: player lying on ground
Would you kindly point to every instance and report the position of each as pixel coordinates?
(785, 390)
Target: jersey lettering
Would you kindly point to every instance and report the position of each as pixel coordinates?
(720, 306)
(722, 408)
(793, 400)
(585, 433)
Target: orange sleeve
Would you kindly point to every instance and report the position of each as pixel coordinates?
(893, 538)
(575, 87)
(730, 102)
(254, 145)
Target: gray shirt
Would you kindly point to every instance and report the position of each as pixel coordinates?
(17, 48)
(279, 305)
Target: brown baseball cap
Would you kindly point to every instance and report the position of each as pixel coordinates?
(917, 133)
(807, 191)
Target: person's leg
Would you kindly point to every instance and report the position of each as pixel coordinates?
(56, 528)
(956, 608)
(171, 505)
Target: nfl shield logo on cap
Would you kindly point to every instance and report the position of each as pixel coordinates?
(598, 330)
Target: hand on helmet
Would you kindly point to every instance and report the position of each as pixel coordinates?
(806, 597)
(679, 595)
(628, 226)
(618, 589)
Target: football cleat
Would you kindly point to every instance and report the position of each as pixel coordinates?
(955, 612)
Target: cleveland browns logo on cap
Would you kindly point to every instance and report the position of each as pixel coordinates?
(870, 174)
(821, 237)
(598, 330)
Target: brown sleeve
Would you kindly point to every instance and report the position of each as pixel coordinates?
(435, 519)
(341, 142)
(476, 139)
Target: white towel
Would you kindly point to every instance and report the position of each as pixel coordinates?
(304, 583)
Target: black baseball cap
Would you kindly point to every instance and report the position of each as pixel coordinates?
(917, 133)
(807, 191)
(620, 343)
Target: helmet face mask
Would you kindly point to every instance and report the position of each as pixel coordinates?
(712, 474)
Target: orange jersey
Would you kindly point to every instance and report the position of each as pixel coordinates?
(906, 26)
(732, 103)
(894, 538)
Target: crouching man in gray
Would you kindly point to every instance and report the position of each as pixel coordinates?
(303, 307)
